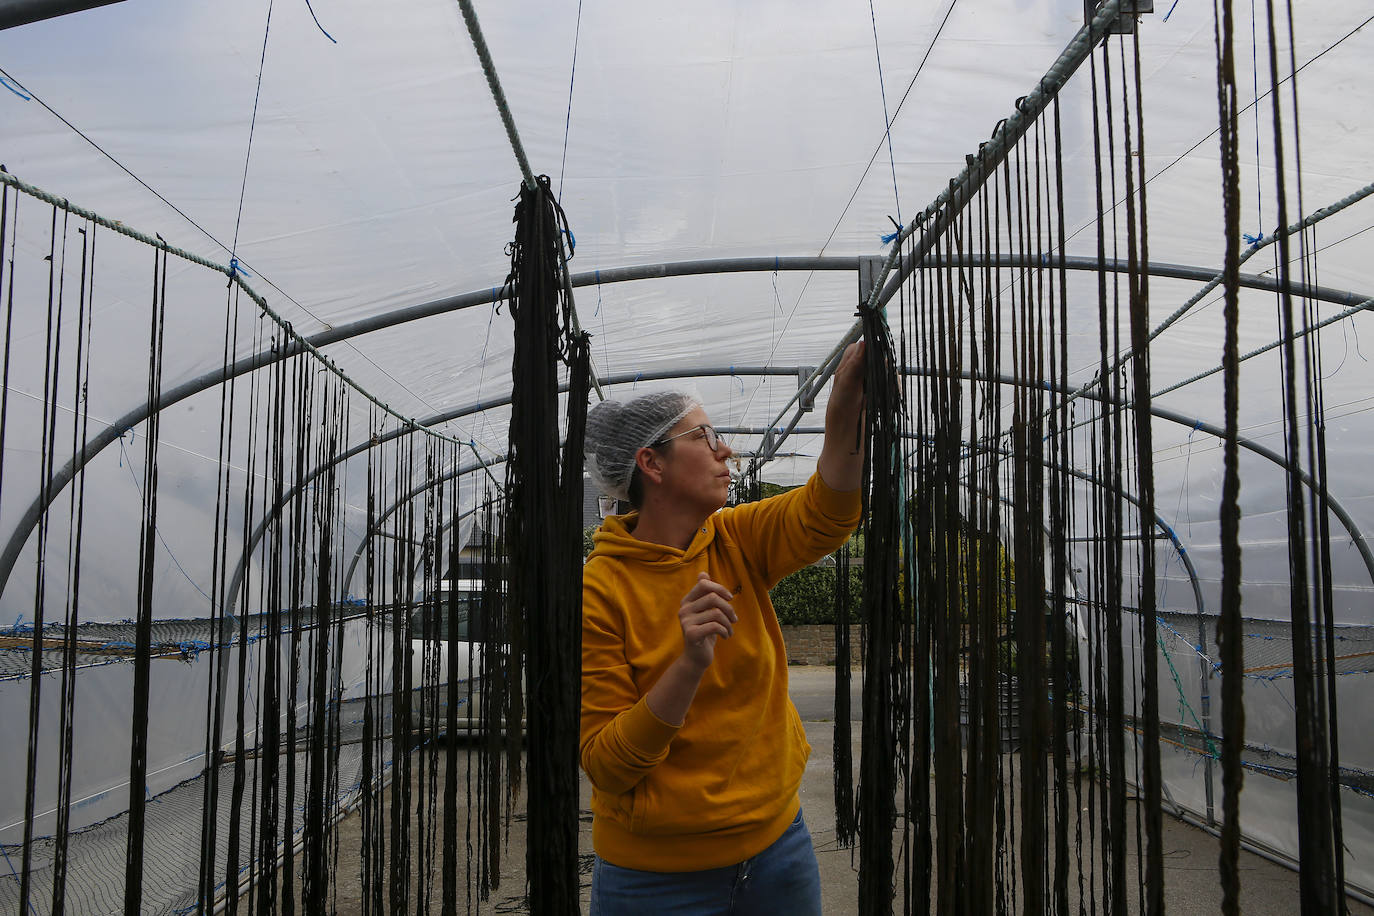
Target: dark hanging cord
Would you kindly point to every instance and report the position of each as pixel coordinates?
(843, 751)
(982, 784)
(920, 523)
(1318, 875)
(220, 618)
(8, 290)
(572, 78)
(402, 685)
(453, 633)
(370, 803)
(1230, 630)
(45, 465)
(1113, 469)
(75, 529)
(322, 773)
(944, 572)
(1059, 515)
(252, 127)
(546, 609)
(913, 778)
(1027, 584)
(887, 121)
(267, 812)
(231, 878)
(138, 753)
(881, 614)
(1138, 253)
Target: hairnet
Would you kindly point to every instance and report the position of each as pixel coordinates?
(617, 430)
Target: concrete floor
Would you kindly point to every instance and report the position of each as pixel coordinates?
(1190, 858)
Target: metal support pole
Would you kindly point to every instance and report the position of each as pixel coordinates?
(22, 12)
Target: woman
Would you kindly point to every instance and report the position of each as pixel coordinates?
(692, 745)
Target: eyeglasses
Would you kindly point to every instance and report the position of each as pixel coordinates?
(714, 440)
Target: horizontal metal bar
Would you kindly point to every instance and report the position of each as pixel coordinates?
(493, 295)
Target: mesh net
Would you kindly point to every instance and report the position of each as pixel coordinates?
(1269, 644)
(108, 643)
(171, 861)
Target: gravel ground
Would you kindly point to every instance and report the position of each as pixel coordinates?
(1190, 860)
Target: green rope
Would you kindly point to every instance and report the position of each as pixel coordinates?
(1183, 705)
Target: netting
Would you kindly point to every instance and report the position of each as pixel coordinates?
(95, 881)
(1268, 644)
(113, 643)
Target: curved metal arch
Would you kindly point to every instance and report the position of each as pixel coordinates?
(61, 478)
(236, 581)
(460, 471)
(1359, 539)
(392, 509)
(1164, 413)
(1164, 526)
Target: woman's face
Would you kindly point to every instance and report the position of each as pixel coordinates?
(692, 472)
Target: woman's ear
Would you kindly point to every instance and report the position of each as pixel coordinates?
(650, 464)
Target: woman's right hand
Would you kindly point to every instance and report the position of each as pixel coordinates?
(706, 615)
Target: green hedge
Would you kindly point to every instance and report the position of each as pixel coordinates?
(808, 596)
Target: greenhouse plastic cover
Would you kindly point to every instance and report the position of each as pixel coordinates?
(381, 177)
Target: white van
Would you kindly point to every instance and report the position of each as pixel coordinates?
(430, 647)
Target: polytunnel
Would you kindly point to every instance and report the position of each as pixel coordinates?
(267, 389)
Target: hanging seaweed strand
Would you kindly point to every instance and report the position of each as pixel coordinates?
(1229, 626)
(138, 753)
(881, 612)
(541, 484)
(843, 737)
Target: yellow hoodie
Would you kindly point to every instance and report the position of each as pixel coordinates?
(723, 786)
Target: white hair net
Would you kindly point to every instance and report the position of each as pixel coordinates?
(617, 430)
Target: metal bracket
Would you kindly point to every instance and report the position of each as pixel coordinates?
(806, 401)
(870, 269)
(1125, 22)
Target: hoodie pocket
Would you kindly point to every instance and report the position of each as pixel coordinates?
(639, 805)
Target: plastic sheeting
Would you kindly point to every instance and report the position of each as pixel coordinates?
(380, 177)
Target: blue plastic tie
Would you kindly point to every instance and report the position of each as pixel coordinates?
(12, 88)
(890, 237)
(636, 381)
(1254, 240)
(572, 240)
(236, 268)
(317, 22)
(1171, 12)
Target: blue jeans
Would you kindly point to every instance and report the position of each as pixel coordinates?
(784, 878)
